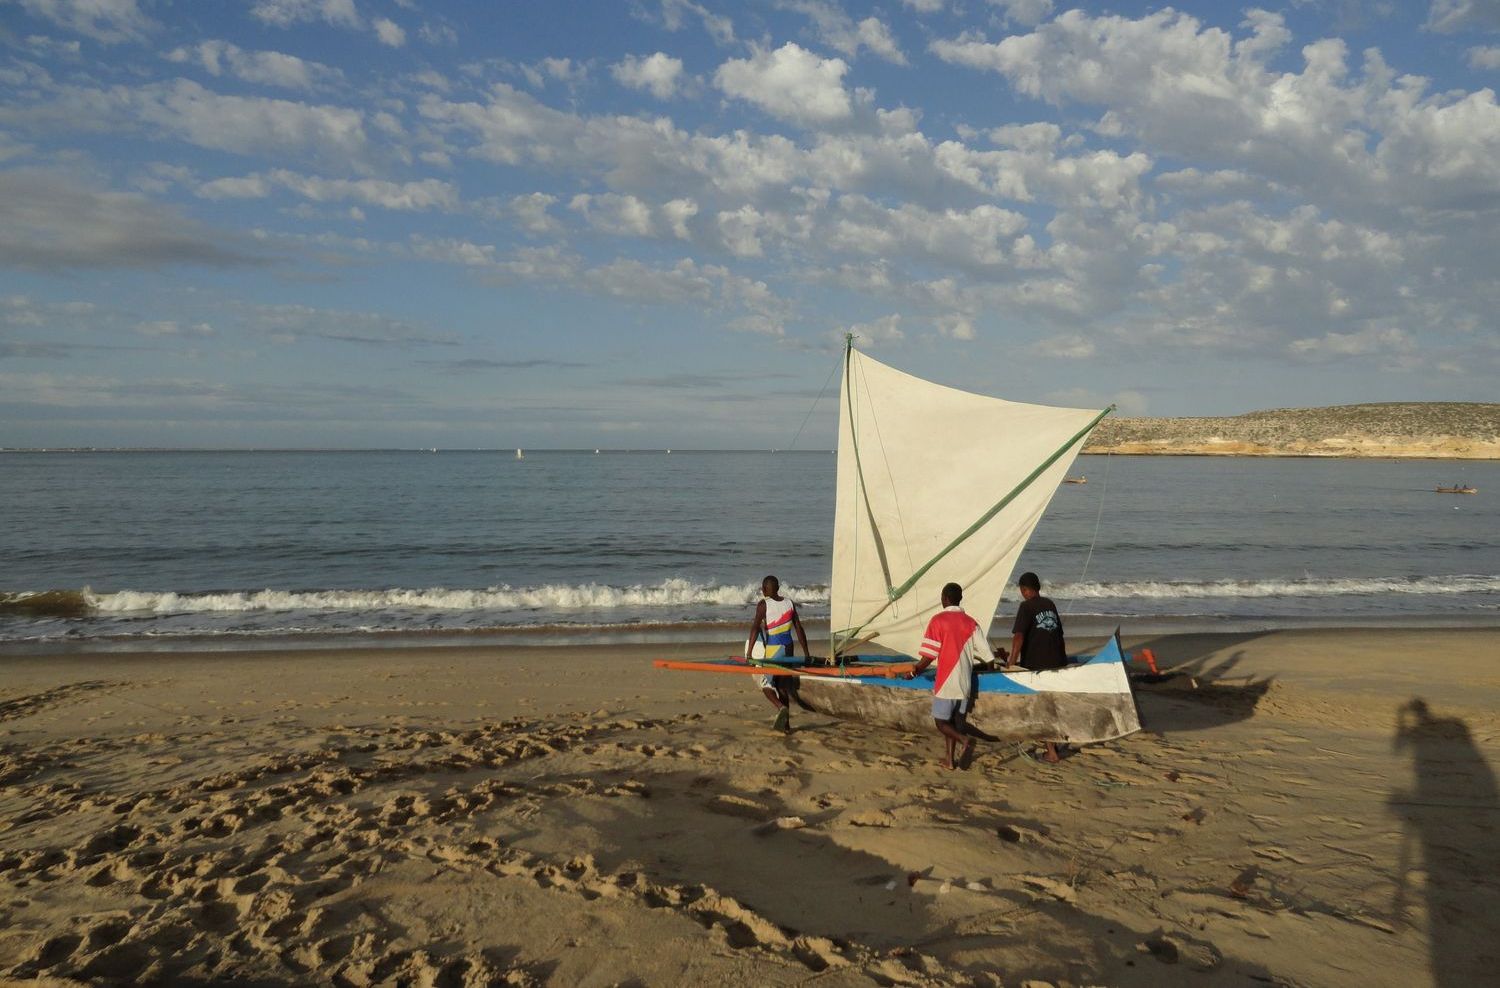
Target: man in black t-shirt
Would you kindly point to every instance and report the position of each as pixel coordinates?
(1037, 636)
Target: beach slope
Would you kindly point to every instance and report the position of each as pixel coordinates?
(1308, 808)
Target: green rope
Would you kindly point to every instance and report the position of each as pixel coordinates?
(896, 593)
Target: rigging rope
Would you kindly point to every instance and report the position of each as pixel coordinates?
(896, 593)
(814, 406)
(1098, 518)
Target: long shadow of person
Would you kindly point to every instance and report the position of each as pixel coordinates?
(1453, 813)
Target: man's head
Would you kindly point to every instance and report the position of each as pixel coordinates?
(770, 586)
(953, 595)
(1029, 584)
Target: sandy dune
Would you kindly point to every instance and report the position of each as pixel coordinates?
(564, 816)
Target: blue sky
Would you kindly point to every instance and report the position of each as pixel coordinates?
(645, 224)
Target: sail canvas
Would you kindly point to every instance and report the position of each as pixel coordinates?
(920, 467)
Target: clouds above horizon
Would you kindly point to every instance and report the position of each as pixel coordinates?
(1093, 190)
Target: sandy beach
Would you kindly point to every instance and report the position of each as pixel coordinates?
(570, 816)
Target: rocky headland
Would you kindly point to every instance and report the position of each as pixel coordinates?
(1442, 430)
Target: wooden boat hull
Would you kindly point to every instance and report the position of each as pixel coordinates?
(1080, 704)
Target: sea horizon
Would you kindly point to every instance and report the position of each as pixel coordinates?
(247, 546)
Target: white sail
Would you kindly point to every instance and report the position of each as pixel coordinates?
(919, 465)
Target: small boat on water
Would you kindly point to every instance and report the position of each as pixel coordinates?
(520, 455)
(1076, 480)
(1457, 489)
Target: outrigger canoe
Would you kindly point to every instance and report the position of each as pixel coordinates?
(936, 485)
(1083, 703)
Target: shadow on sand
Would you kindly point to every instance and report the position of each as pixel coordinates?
(1452, 814)
(1200, 688)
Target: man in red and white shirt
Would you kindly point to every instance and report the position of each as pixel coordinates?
(955, 642)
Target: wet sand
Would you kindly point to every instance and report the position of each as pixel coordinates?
(1304, 808)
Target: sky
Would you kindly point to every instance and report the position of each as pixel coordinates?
(650, 223)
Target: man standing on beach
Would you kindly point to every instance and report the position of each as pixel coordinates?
(775, 620)
(955, 642)
(1037, 637)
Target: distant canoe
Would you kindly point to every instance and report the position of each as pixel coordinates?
(1076, 480)
(1457, 490)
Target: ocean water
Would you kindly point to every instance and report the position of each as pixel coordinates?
(110, 549)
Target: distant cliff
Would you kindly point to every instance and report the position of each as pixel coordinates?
(1448, 430)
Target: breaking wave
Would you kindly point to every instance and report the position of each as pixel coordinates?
(1306, 587)
(699, 597)
(548, 597)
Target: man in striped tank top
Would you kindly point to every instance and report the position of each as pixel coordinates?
(775, 621)
(955, 642)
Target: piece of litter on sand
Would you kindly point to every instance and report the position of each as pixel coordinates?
(945, 888)
(890, 886)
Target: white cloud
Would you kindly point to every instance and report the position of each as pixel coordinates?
(106, 21)
(974, 238)
(1487, 57)
(790, 83)
(956, 326)
(1373, 341)
(658, 73)
(838, 30)
(530, 212)
(264, 67)
(437, 34)
(51, 222)
(190, 112)
(252, 125)
(1449, 16)
(563, 70)
(1024, 12)
(886, 329)
(1372, 141)
(285, 13)
(674, 14)
(739, 231)
(426, 194)
(26, 312)
(389, 32)
(677, 212)
(615, 214)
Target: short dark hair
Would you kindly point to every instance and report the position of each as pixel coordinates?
(953, 593)
(1029, 581)
(772, 581)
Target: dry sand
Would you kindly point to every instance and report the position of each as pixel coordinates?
(570, 816)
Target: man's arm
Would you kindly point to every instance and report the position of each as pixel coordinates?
(927, 652)
(801, 635)
(755, 626)
(1018, 634)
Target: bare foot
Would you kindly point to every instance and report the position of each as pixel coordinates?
(1051, 757)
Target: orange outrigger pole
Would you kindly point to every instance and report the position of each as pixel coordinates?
(889, 671)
